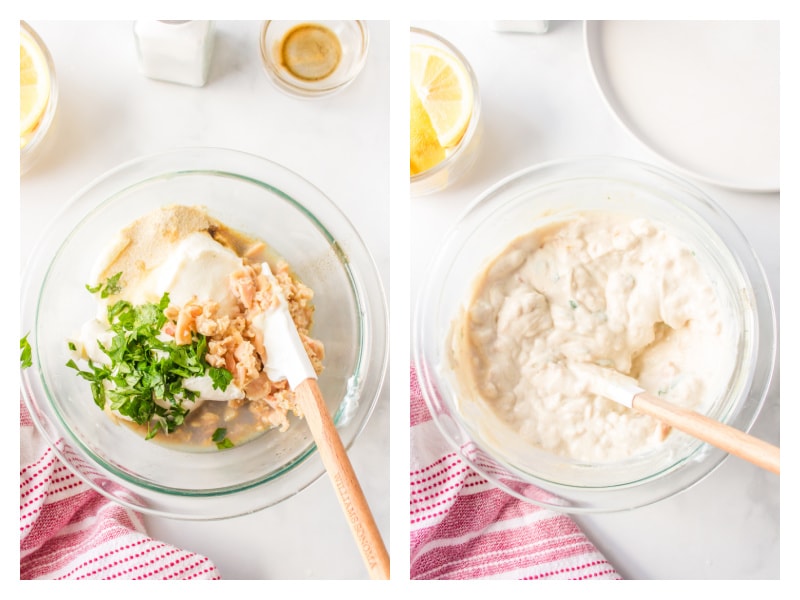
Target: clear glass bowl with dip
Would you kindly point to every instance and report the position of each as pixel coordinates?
(522, 203)
(251, 195)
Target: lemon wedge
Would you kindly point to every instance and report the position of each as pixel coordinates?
(444, 89)
(426, 151)
(34, 84)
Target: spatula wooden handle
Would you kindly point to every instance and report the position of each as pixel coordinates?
(349, 492)
(717, 434)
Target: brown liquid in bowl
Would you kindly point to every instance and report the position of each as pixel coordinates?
(310, 52)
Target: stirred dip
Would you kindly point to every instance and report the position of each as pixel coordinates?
(602, 289)
(177, 345)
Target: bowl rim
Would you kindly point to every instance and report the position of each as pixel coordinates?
(361, 271)
(500, 471)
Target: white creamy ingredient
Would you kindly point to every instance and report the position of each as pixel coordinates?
(603, 289)
(286, 356)
(205, 387)
(197, 267)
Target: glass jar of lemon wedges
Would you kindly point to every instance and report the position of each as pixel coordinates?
(445, 113)
(38, 95)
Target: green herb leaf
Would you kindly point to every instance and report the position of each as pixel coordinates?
(25, 352)
(109, 288)
(112, 286)
(220, 439)
(220, 378)
(144, 380)
(573, 305)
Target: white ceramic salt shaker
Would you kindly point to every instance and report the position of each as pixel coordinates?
(177, 51)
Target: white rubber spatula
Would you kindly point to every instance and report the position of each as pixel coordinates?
(625, 390)
(287, 359)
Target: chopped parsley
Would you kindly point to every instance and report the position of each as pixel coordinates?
(109, 288)
(144, 380)
(573, 305)
(220, 439)
(24, 352)
(220, 378)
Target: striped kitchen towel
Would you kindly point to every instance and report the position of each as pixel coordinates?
(462, 527)
(69, 531)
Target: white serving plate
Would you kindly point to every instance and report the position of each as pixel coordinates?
(703, 95)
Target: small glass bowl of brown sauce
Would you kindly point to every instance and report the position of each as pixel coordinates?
(313, 58)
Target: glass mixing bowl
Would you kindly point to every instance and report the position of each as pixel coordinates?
(254, 196)
(554, 190)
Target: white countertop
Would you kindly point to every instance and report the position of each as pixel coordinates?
(109, 113)
(540, 102)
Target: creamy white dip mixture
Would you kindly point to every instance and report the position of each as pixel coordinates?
(604, 289)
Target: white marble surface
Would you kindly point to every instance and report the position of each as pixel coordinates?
(109, 114)
(539, 102)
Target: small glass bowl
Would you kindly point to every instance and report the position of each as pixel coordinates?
(462, 157)
(35, 143)
(254, 196)
(521, 203)
(288, 47)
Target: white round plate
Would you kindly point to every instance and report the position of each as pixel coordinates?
(704, 95)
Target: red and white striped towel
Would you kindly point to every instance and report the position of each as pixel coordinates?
(462, 527)
(69, 531)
